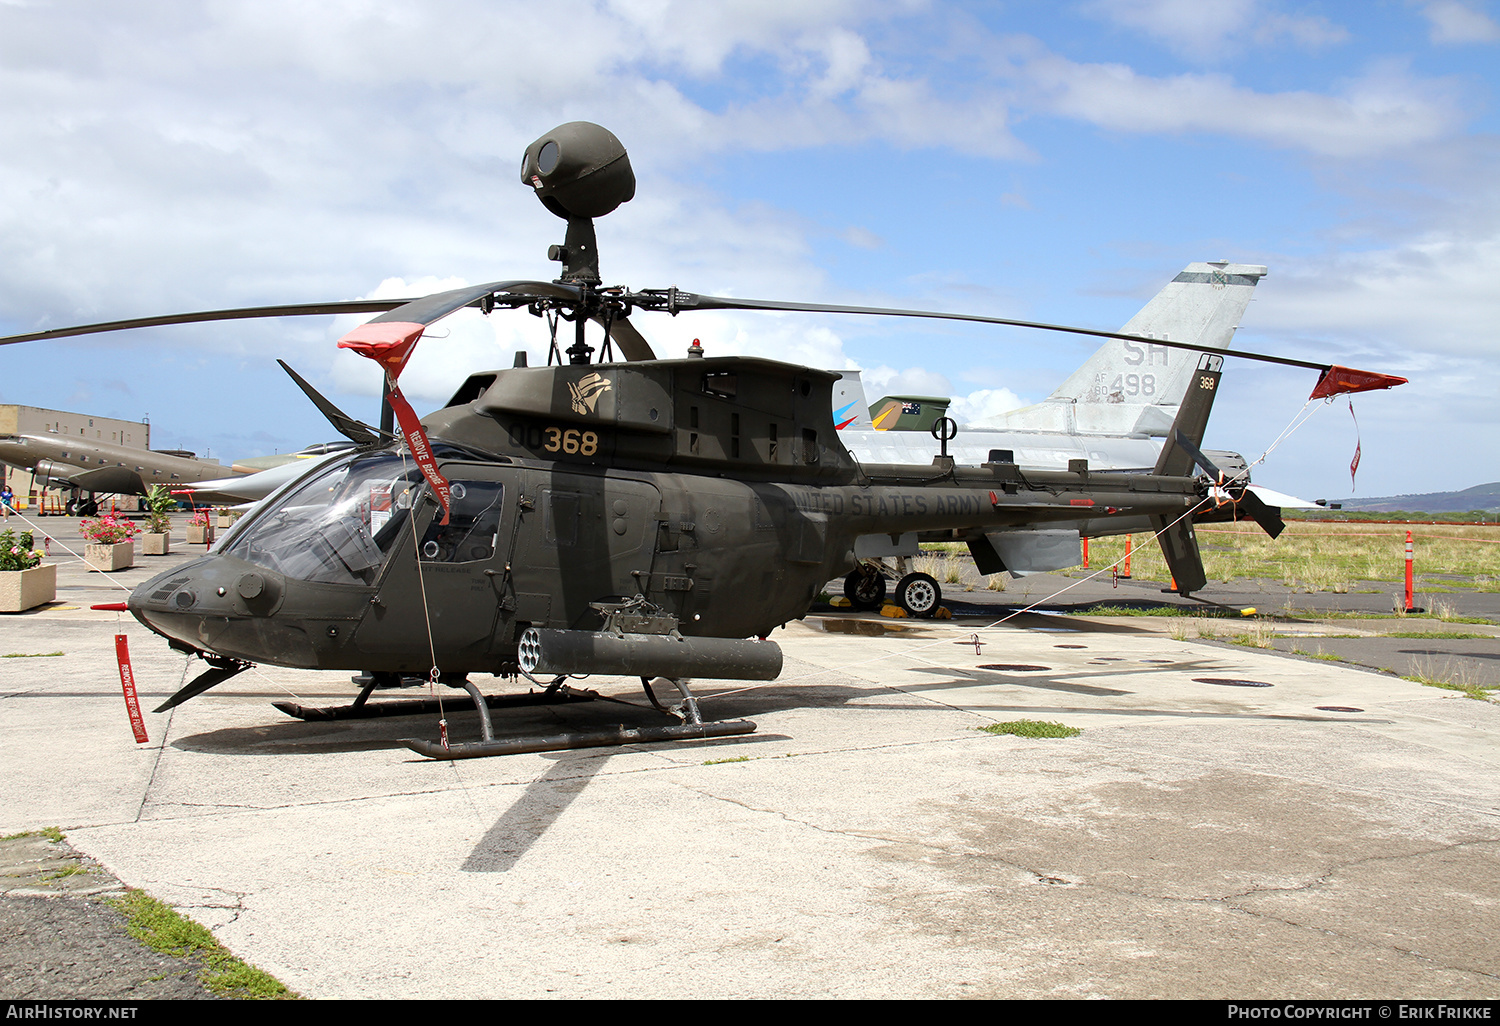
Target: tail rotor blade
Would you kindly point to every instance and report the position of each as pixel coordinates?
(1267, 516)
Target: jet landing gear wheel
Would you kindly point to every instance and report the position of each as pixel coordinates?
(919, 595)
(865, 590)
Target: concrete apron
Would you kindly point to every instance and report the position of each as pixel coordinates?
(1197, 840)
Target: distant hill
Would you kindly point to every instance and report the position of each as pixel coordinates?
(1485, 496)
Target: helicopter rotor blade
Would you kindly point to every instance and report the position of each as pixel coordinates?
(1264, 514)
(430, 307)
(240, 313)
(676, 301)
(633, 345)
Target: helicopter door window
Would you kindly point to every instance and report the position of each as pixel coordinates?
(322, 530)
(473, 525)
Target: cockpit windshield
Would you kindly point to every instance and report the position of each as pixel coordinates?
(337, 527)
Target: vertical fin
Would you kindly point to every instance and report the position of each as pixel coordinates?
(1135, 387)
(1179, 543)
(850, 407)
(1177, 460)
(1179, 546)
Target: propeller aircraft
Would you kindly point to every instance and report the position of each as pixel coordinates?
(629, 515)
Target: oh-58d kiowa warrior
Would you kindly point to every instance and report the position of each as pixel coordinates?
(630, 515)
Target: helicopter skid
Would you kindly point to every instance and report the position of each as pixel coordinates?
(419, 706)
(596, 739)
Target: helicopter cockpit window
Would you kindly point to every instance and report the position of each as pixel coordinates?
(338, 526)
(473, 525)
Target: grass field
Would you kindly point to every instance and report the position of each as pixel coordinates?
(1309, 556)
(1328, 557)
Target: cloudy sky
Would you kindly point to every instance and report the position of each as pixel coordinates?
(1055, 161)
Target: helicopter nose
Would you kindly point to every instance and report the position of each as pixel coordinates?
(182, 603)
(208, 602)
(225, 605)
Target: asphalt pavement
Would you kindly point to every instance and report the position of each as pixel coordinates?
(1232, 821)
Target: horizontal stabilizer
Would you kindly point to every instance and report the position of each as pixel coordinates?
(1281, 500)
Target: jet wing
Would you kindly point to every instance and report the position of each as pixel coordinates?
(253, 487)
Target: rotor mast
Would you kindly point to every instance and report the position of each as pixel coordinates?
(580, 171)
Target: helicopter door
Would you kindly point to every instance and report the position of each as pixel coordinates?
(584, 539)
(443, 575)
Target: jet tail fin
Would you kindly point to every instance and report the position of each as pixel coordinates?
(850, 407)
(1129, 387)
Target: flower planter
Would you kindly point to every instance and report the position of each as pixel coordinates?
(226, 520)
(156, 544)
(200, 534)
(26, 589)
(109, 557)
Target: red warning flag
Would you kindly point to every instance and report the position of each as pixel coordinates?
(1354, 463)
(421, 449)
(1338, 380)
(390, 344)
(127, 682)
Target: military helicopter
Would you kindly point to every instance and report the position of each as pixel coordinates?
(645, 517)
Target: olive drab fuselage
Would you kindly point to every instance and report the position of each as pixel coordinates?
(717, 489)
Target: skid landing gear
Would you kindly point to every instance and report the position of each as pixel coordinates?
(555, 694)
(691, 727)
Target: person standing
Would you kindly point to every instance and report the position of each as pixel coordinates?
(7, 501)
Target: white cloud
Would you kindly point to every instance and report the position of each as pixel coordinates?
(981, 406)
(884, 380)
(1203, 31)
(1453, 21)
(1387, 109)
(1428, 299)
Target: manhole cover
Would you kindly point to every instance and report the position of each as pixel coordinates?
(1232, 682)
(1070, 646)
(1013, 667)
(1108, 659)
(1156, 660)
(1339, 708)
